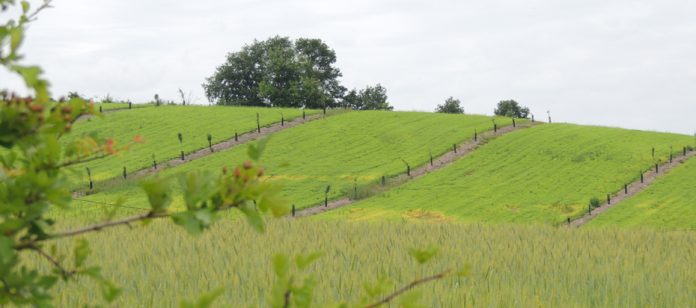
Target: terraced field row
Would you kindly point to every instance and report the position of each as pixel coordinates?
(544, 174)
(160, 126)
(341, 151)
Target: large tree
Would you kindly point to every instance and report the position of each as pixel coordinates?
(278, 72)
(451, 105)
(510, 108)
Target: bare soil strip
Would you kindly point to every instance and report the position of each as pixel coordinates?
(438, 163)
(632, 189)
(224, 145)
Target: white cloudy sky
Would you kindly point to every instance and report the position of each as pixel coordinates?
(617, 63)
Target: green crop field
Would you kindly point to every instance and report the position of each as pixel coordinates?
(356, 147)
(512, 266)
(159, 126)
(543, 174)
(668, 203)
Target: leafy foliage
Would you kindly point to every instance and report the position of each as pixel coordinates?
(510, 108)
(278, 72)
(451, 105)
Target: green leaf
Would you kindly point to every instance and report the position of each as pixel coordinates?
(25, 7)
(110, 291)
(81, 252)
(188, 221)
(253, 217)
(157, 191)
(423, 255)
(302, 261)
(205, 301)
(197, 187)
(465, 271)
(16, 37)
(255, 150)
(281, 265)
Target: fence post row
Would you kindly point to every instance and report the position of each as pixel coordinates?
(89, 175)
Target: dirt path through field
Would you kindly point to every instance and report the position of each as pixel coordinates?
(632, 189)
(224, 145)
(438, 163)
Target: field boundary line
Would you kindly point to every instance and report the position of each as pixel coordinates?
(444, 160)
(220, 146)
(633, 188)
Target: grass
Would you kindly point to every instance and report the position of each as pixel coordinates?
(340, 151)
(512, 266)
(543, 174)
(668, 203)
(159, 126)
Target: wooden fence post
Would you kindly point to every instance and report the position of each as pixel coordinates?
(608, 199)
(626, 189)
(210, 142)
(125, 175)
(475, 135)
(236, 137)
(89, 175)
(431, 158)
(258, 123)
(293, 210)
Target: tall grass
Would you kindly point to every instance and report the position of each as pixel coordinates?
(518, 266)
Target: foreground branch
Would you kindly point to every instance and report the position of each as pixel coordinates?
(409, 286)
(63, 271)
(108, 224)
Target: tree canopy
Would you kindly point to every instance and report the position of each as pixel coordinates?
(451, 105)
(278, 72)
(284, 73)
(510, 108)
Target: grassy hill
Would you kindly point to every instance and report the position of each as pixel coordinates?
(356, 147)
(159, 126)
(669, 203)
(543, 174)
(512, 266)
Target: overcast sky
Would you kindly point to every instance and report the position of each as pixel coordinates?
(617, 63)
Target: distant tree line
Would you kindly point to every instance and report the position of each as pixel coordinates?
(280, 72)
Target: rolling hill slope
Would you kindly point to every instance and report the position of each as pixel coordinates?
(356, 147)
(539, 175)
(159, 126)
(669, 203)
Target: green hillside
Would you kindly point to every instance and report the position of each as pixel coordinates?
(356, 147)
(159, 126)
(511, 266)
(539, 175)
(668, 203)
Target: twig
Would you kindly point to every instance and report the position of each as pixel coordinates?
(63, 271)
(409, 286)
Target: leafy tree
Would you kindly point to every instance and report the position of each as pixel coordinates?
(373, 98)
(351, 99)
(451, 105)
(510, 108)
(278, 72)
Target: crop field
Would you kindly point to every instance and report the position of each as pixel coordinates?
(668, 203)
(356, 147)
(511, 266)
(543, 174)
(159, 126)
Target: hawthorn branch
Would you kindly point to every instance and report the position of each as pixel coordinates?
(63, 271)
(407, 287)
